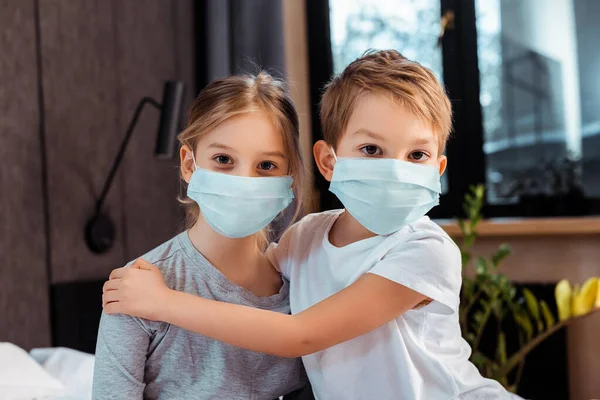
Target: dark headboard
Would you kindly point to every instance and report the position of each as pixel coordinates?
(75, 314)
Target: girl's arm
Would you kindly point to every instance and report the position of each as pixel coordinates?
(363, 306)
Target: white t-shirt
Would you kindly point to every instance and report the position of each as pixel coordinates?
(420, 354)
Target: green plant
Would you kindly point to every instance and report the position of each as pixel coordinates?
(489, 300)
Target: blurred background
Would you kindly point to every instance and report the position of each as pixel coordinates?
(523, 76)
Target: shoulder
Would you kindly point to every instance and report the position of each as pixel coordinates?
(423, 257)
(425, 227)
(426, 241)
(162, 254)
(313, 223)
(167, 258)
(300, 237)
(428, 232)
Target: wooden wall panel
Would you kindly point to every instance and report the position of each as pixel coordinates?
(23, 282)
(82, 129)
(100, 59)
(150, 51)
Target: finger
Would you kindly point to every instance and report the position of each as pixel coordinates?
(143, 264)
(117, 273)
(110, 297)
(114, 284)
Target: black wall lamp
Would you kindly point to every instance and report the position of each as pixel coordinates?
(100, 230)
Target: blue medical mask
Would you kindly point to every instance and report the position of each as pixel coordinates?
(385, 194)
(239, 206)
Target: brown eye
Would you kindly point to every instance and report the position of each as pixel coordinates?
(418, 156)
(266, 166)
(223, 159)
(371, 150)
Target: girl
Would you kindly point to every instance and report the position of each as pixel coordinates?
(238, 155)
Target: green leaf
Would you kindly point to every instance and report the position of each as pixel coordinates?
(479, 360)
(503, 251)
(466, 258)
(479, 191)
(478, 316)
(477, 217)
(501, 349)
(532, 304)
(461, 224)
(548, 316)
(470, 337)
(481, 267)
(525, 323)
(468, 288)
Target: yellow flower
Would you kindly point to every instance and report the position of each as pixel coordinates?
(562, 293)
(583, 301)
(598, 296)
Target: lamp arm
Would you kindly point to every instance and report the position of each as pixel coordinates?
(121, 153)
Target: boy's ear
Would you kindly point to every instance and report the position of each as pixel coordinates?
(186, 162)
(442, 163)
(324, 159)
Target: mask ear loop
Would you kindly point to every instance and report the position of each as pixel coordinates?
(194, 159)
(333, 152)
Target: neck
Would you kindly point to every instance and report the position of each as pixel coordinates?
(347, 230)
(230, 256)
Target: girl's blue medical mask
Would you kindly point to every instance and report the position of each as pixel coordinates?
(385, 194)
(238, 206)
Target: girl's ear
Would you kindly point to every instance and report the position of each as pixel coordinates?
(324, 159)
(187, 163)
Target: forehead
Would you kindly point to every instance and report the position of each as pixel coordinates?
(387, 117)
(252, 131)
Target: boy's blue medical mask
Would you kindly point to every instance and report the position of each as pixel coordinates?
(238, 206)
(384, 194)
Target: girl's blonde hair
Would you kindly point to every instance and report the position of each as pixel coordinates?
(237, 95)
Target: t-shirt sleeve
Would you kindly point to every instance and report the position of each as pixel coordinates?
(428, 263)
(121, 350)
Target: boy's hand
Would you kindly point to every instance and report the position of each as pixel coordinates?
(138, 290)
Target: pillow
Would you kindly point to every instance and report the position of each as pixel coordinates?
(21, 378)
(74, 369)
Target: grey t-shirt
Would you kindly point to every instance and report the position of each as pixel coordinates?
(137, 358)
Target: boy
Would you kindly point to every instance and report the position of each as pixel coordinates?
(374, 288)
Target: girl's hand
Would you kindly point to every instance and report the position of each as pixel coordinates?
(138, 290)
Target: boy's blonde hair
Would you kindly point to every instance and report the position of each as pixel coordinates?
(390, 73)
(237, 95)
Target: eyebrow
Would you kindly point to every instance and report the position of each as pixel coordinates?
(423, 141)
(216, 145)
(274, 154)
(363, 131)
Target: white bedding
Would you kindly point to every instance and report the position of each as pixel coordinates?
(72, 368)
(50, 373)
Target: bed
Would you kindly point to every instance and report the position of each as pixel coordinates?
(75, 316)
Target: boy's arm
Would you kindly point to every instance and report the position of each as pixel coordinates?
(121, 351)
(368, 303)
(427, 268)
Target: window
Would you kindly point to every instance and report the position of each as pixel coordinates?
(524, 79)
(540, 97)
(357, 26)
